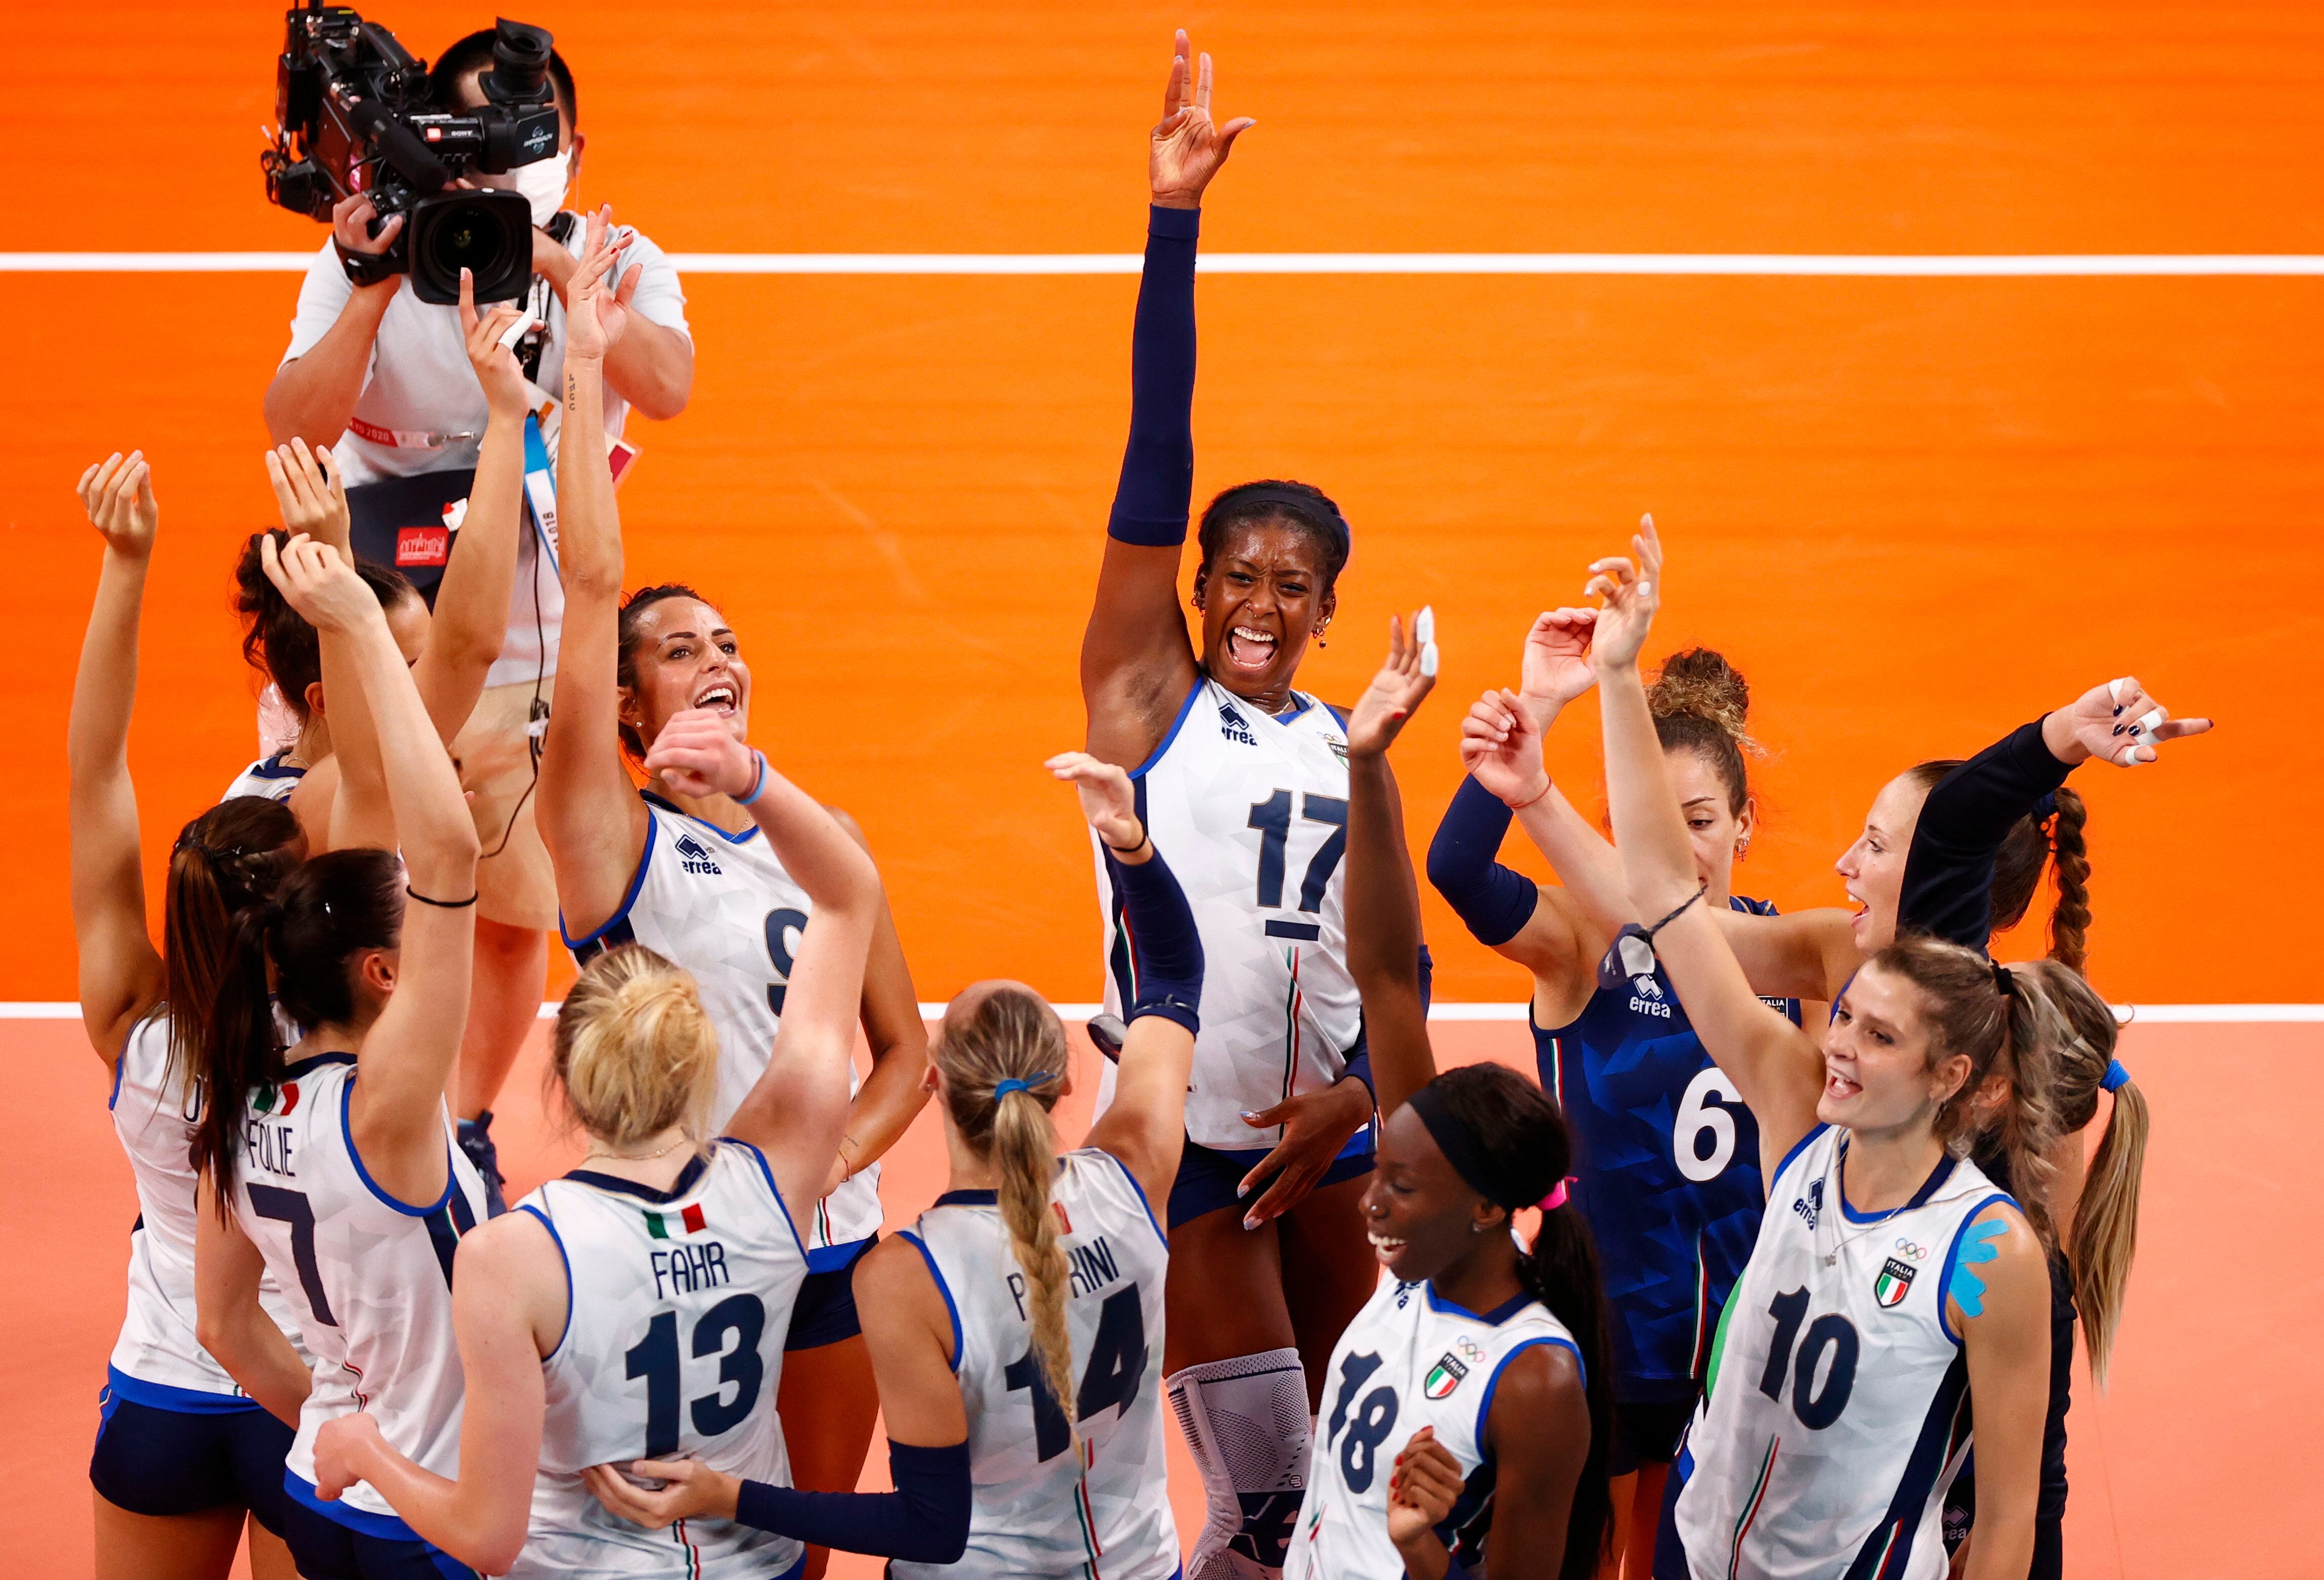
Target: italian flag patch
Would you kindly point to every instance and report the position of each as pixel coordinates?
(686, 1221)
(1896, 1281)
(288, 1093)
(1443, 1377)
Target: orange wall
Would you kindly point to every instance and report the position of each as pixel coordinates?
(1916, 512)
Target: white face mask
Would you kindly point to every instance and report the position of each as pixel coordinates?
(543, 184)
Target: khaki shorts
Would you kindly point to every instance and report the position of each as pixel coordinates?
(516, 886)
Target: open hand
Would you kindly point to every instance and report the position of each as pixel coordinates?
(118, 494)
(2114, 723)
(1404, 682)
(495, 364)
(341, 1447)
(1632, 592)
(1316, 1126)
(1556, 666)
(690, 1490)
(308, 500)
(1422, 1489)
(700, 756)
(1187, 148)
(1501, 746)
(1107, 800)
(319, 584)
(596, 312)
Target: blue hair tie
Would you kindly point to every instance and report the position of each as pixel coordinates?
(1001, 1089)
(2046, 808)
(2116, 1075)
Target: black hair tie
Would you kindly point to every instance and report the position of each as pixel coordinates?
(2005, 981)
(440, 904)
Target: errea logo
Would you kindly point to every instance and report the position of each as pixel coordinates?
(1234, 727)
(694, 858)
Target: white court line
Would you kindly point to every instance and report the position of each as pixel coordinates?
(1948, 265)
(2147, 1014)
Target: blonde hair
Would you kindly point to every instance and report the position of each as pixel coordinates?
(1012, 1035)
(2103, 1236)
(634, 1052)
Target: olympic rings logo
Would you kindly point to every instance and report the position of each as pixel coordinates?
(1917, 1252)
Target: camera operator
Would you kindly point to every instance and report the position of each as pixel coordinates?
(383, 378)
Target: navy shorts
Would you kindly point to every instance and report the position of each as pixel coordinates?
(152, 1459)
(824, 1313)
(382, 1548)
(1646, 1433)
(1207, 1176)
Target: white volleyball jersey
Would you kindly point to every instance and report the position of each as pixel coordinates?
(720, 905)
(368, 1277)
(154, 1110)
(1836, 1408)
(1054, 1499)
(1252, 813)
(673, 1348)
(1409, 1359)
(270, 779)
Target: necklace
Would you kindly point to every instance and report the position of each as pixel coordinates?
(1833, 1180)
(639, 1157)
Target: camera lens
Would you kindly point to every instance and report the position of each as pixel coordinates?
(488, 233)
(471, 238)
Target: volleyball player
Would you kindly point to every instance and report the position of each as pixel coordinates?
(637, 1306)
(1015, 1325)
(1667, 1164)
(689, 876)
(450, 651)
(1481, 1365)
(1893, 1286)
(182, 1452)
(1241, 777)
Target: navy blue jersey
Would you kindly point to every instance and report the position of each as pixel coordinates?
(1666, 1166)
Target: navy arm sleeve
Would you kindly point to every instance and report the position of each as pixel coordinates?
(925, 1520)
(1165, 949)
(1494, 902)
(1948, 871)
(1157, 467)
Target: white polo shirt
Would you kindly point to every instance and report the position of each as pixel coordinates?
(419, 384)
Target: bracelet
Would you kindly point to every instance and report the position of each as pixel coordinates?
(440, 904)
(1143, 841)
(1548, 785)
(758, 785)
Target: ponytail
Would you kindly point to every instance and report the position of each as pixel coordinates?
(238, 1052)
(1004, 1069)
(1522, 1141)
(229, 859)
(2103, 1239)
(325, 914)
(1560, 1272)
(2070, 865)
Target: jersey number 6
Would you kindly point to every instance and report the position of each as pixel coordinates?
(1704, 1108)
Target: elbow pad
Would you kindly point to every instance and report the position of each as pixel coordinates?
(1165, 950)
(1494, 902)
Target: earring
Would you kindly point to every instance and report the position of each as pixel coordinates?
(1742, 849)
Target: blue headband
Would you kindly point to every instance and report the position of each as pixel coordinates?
(1002, 1089)
(2114, 1077)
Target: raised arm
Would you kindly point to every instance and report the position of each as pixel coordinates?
(472, 607)
(1137, 660)
(591, 819)
(395, 1116)
(509, 1309)
(797, 1112)
(892, 1096)
(1770, 1060)
(1383, 899)
(120, 972)
(1949, 873)
(1146, 1126)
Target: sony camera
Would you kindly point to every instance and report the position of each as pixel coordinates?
(355, 115)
